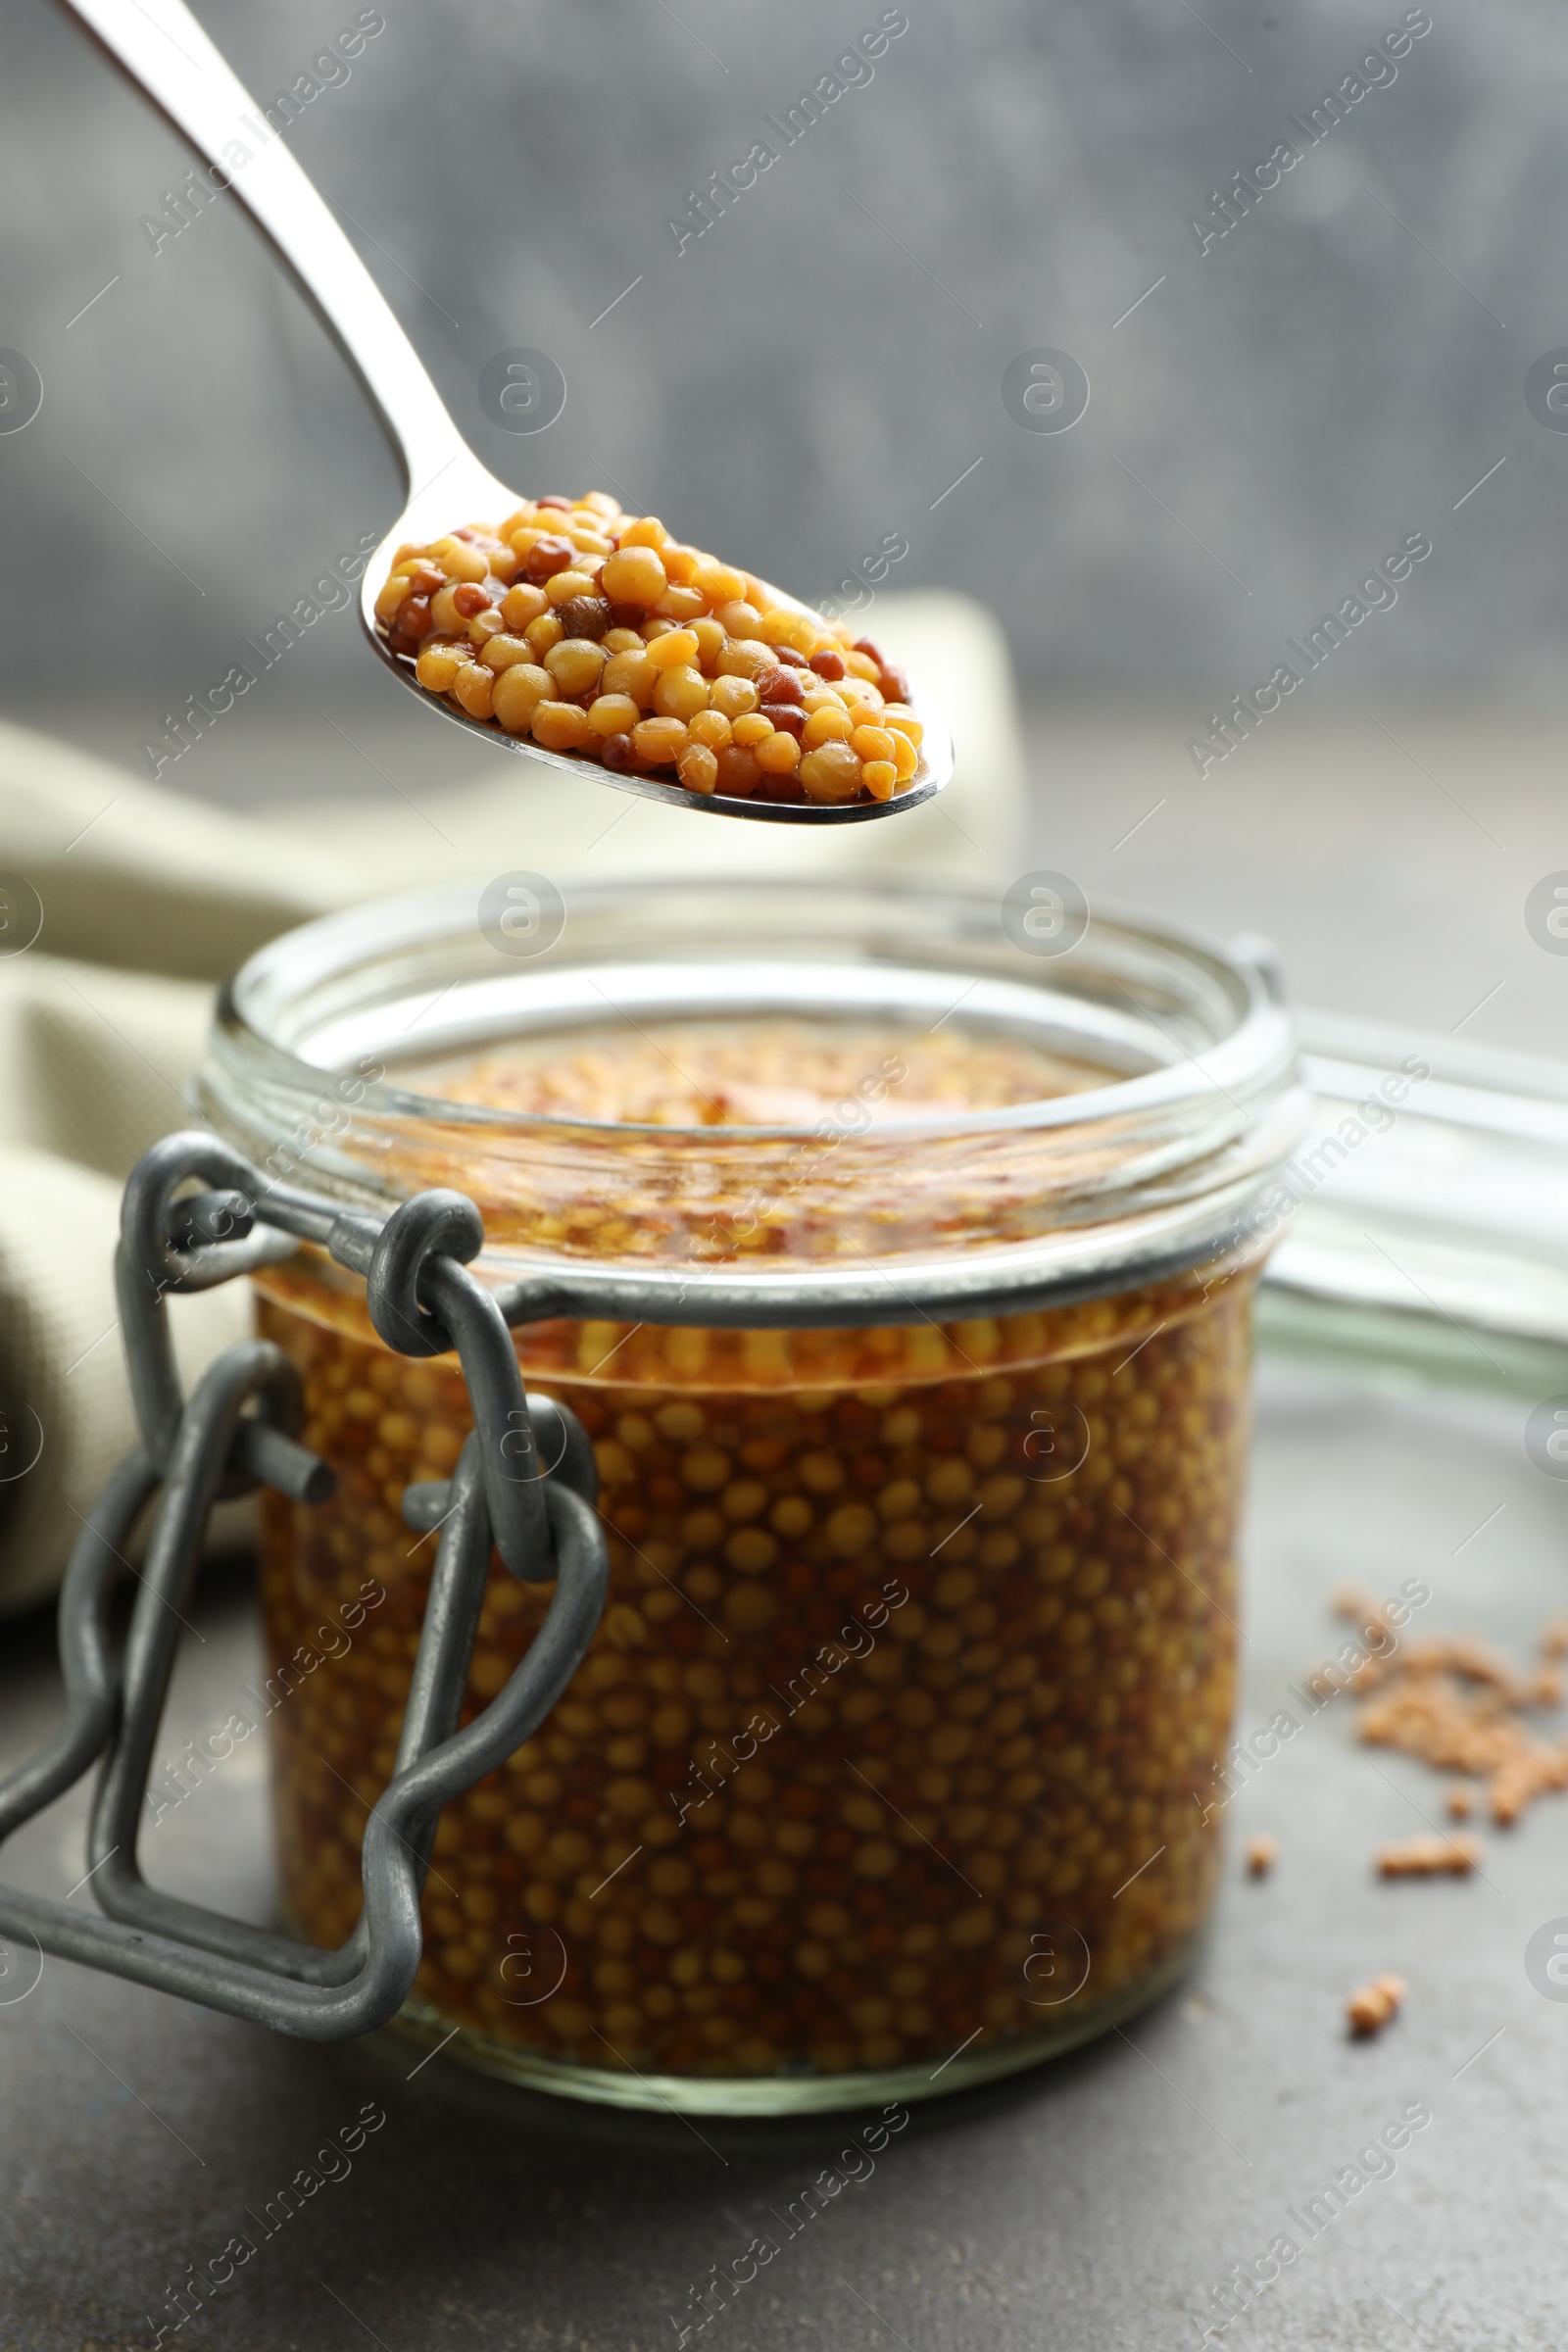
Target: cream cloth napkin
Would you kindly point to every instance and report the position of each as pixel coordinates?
(149, 898)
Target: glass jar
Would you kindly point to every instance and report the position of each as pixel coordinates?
(919, 1404)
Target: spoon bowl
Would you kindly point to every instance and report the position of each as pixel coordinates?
(467, 491)
(163, 50)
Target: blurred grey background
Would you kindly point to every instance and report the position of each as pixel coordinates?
(823, 368)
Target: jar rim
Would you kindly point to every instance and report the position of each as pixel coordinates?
(318, 952)
(1207, 1108)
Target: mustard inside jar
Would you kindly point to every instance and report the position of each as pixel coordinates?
(902, 1281)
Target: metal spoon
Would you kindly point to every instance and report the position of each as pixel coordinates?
(163, 50)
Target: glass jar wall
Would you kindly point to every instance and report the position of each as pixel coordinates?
(879, 1777)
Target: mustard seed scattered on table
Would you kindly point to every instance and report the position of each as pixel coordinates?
(1262, 1852)
(596, 633)
(1371, 2006)
(1453, 1701)
(1430, 1858)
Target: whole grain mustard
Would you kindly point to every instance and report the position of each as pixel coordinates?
(918, 1656)
(597, 633)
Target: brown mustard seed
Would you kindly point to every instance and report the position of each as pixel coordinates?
(1262, 1852)
(584, 615)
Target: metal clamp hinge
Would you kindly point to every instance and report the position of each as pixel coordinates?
(195, 1214)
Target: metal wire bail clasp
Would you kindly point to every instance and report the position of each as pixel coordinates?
(239, 1431)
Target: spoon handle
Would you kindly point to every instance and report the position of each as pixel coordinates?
(162, 47)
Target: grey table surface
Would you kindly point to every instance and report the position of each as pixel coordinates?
(1090, 2203)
